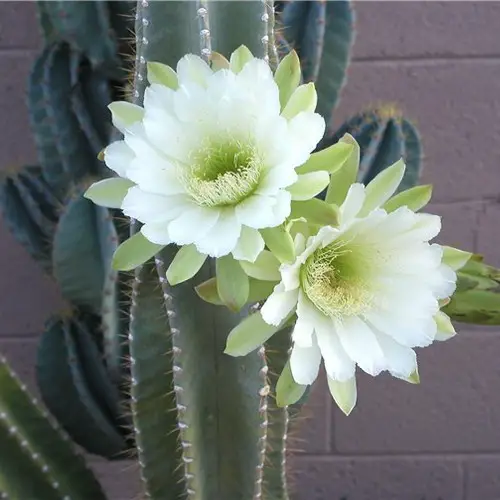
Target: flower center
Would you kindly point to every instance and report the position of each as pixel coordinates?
(336, 279)
(222, 173)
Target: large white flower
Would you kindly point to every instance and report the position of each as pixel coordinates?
(365, 293)
(213, 156)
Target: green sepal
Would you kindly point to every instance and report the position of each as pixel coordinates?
(414, 198)
(109, 192)
(125, 113)
(344, 177)
(329, 159)
(309, 185)
(232, 283)
(258, 290)
(186, 263)
(288, 391)
(162, 74)
(303, 99)
(248, 335)
(382, 187)
(287, 76)
(279, 242)
(455, 258)
(315, 212)
(344, 393)
(265, 267)
(133, 252)
(239, 58)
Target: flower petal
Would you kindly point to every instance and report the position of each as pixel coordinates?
(305, 131)
(361, 345)
(304, 363)
(309, 185)
(401, 361)
(156, 232)
(344, 393)
(192, 68)
(279, 305)
(118, 157)
(339, 366)
(250, 245)
(256, 211)
(148, 207)
(192, 225)
(352, 204)
(223, 237)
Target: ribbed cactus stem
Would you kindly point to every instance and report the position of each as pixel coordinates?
(263, 393)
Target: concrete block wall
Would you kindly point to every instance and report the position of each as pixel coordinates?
(436, 441)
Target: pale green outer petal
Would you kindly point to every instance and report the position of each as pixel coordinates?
(338, 364)
(305, 363)
(240, 58)
(361, 345)
(193, 68)
(118, 157)
(344, 393)
(287, 76)
(250, 245)
(186, 263)
(265, 267)
(134, 252)
(455, 258)
(383, 186)
(124, 114)
(162, 74)
(156, 232)
(223, 237)
(109, 192)
(353, 202)
(309, 185)
(299, 243)
(193, 225)
(445, 329)
(303, 99)
(279, 305)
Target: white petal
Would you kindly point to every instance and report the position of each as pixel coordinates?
(222, 238)
(154, 180)
(360, 344)
(282, 208)
(191, 104)
(157, 232)
(118, 157)
(304, 363)
(256, 211)
(338, 365)
(401, 361)
(352, 204)
(158, 96)
(147, 207)
(290, 275)
(279, 305)
(408, 331)
(193, 68)
(305, 131)
(307, 314)
(249, 246)
(278, 177)
(192, 225)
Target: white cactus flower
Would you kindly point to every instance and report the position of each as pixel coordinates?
(365, 293)
(212, 155)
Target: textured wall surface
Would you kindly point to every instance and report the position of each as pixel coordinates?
(436, 441)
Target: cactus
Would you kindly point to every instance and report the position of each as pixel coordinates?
(78, 73)
(37, 459)
(205, 425)
(384, 136)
